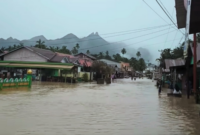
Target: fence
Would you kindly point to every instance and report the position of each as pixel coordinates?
(15, 83)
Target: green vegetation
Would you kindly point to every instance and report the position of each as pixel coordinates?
(85, 77)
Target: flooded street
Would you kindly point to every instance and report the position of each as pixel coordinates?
(123, 108)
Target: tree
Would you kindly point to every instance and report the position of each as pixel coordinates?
(108, 56)
(40, 44)
(20, 45)
(142, 65)
(101, 55)
(77, 46)
(107, 53)
(117, 57)
(88, 52)
(138, 54)
(123, 51)
(74, 50)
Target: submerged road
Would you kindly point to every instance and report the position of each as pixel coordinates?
(123, 108)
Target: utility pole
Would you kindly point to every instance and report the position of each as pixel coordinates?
(195, 67)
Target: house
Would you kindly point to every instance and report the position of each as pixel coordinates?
(84, 55)
(34, 56)
(121, 69)
(29, 54)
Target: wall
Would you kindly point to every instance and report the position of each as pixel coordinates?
(80, 74)
(24, 55)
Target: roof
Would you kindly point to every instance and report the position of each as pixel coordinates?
(47, 54)
(109, 62)
(43, 52)
(174, 63)
(180, 13)
(36, 65)
(58, 57)
(90, 56)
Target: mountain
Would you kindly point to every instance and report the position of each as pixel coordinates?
(93, 42)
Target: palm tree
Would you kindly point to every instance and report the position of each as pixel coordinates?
(2, 48)
(40, 44)
(107, 53)
(20, 45)
(123, 51)
(77, 46)
(88, 52)
(74, 50)
(138, 54)
(100, 54)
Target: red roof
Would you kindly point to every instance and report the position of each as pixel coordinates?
(88, 63)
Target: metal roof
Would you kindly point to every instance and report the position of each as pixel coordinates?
(174, 63)
(181, 14)
(90, 56)
(47, 54)
(109, 62)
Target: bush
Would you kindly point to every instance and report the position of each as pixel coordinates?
(85, 77)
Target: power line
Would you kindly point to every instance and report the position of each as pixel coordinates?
(149, 38)
(174, 39)
(166, 9)
(155, 11)
(167, 15)
(134, 31)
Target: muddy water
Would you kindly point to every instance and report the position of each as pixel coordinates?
(123, 108)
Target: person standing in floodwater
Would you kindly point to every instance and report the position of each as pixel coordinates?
(159, 89)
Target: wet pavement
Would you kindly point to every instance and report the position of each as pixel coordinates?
(123, 108)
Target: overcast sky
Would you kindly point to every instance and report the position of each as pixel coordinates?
(24, 19)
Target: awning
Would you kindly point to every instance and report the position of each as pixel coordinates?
(36, 65)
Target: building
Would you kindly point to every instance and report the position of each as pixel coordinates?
(84, 55)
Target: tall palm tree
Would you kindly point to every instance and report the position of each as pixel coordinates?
(123, 51)
(77, 46)
(101, 54)
(88, 52)
(138, 54)
(40, 44)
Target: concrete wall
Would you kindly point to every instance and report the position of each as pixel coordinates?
(80, 74)
(24, 55)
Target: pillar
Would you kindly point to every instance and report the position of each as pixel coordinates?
(29, 77)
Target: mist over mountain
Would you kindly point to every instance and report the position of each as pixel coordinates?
(93, 42)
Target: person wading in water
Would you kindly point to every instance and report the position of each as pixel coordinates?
(159, 88)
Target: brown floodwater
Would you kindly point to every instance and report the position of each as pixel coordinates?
(123, 108)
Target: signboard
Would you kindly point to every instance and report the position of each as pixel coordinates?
(187, 29)
(79, 69)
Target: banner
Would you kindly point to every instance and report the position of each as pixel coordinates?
(187, 4)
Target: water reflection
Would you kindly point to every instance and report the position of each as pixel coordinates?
(124, 107)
